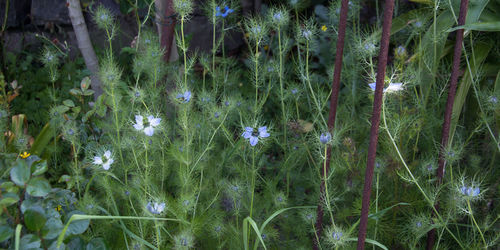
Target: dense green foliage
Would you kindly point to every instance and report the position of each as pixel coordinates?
(218, 152)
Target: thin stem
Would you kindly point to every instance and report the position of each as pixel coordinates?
(477, 226)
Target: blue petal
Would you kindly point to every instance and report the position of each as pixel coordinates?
(246, 135)
(249, 129)
(475, 192)
(254, 140)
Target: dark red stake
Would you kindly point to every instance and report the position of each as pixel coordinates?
(344, 7)
(377, 106)
(167, 23)
(457, 53)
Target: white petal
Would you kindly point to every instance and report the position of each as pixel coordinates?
(393, 87)
(139, 119)
(160, 207)
(97, 160)
(149, 131)
(154, 121)
(139, 126)
(107, 154)
(106, 165)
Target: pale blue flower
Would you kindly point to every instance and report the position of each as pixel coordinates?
(155, 207)
(393, 87)
(325, 137)
(152, 123)
(184, 97)
(337, 235)
(470, 191)
(254, 135)
(104, 161)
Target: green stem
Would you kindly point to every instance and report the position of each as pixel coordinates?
(477, 226)
(184, 51)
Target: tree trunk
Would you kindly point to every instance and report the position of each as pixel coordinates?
(84, 44)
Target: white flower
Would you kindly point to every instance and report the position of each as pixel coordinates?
(152, 122)
(393, 87)
(105, 160)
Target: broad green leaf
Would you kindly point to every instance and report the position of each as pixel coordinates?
(34, 218)
(20, 173)
(69, 103)
(250, 221)
(8, 199)
(76, 92)
(85, 83)
(481, 26)
(5, 233)
(88, 92)
(39, 167)
(38, 187)
(52, 228)
(30, 242)
(97, 244)
(77, 226)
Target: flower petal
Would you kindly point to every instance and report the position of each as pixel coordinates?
(372, 85)
(139, 126)
(106, 165)
(154, 121)
(97, 160)
(107, 154)
(246, 134)
(149, 131)
(393, 87)
(249, 129)
(254, 140)
(139, 119)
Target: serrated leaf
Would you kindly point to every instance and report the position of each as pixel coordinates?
(69, 103)
(20, 174)
(34, 218)
(38, 187)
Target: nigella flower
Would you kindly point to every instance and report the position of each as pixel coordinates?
(325, 137)
(307, 34)
(419, 224)
(469, 191)
(370, 46)
(336, 235)
(418, 24)
(152, 122)
(295, 91)
(277, 17)
(400, 50)
(393, 87)
(493, 99)
(254, 135)
(184, 97)
(105, 160)
(224, 14)
(155, 207)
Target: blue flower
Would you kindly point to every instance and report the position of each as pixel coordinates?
(224, 14)
(155, 207)
(419, 224)
(295, 91)
(336, 235)
(470, 191)
(217, 114)
(325, 137)
(184, 97)
(254, 135)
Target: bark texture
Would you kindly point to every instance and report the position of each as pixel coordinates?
(84, 44)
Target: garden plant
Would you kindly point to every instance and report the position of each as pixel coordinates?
(272, 147)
